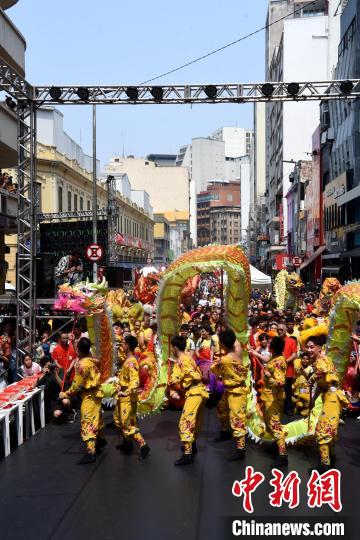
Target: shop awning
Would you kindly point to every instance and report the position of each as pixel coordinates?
(330, 269)
(352, 252)
(314, 256)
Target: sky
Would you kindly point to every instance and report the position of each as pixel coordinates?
(111, 42)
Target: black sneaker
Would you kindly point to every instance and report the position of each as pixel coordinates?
(88, 458)
(280, 461)
(223, 436)
(186, 459)
(144, 452)
(126, 447)
(238, 455)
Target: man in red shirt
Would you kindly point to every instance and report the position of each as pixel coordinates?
(290, 353)
(64, 356)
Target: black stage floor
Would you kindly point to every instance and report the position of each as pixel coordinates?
(45, 495)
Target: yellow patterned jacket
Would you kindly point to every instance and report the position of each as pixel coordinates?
(129, 378)
(87, 378)
(326, 378)
(232, 373)
(186, 375)
(325, 374)
(275, 384)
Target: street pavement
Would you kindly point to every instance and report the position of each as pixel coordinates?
(46, 495)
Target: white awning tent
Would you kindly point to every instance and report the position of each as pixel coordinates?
(259, 280)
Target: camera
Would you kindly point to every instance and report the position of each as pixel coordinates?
(52, 366)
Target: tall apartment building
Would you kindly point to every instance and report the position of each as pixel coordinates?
(167, 185)
(219, 157)
(12, 49)
(300, 48)
(340, 158)
(219, 214)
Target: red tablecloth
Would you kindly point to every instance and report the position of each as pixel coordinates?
(16, 391)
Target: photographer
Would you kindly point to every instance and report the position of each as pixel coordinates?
(51, 379)
(69, 269)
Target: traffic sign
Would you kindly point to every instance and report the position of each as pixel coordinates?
(94, 253)
(297, 261)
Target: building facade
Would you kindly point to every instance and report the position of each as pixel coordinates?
(223, 157)
(162, 240)
(340, 155)
(219, 214)
(167, 185)
(289, 126)
(12, 49)
(65, 184)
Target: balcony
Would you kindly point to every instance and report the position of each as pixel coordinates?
(8, 137)
(12, 43)
(8, 212)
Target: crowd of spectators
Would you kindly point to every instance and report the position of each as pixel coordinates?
(200, 323)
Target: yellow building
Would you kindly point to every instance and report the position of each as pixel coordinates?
(64, 186)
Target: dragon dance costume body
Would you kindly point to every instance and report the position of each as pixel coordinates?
(272, 398)
(187, 376)
(327, 380)
(231, 409)
(87, 383)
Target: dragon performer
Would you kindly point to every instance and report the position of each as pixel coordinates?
(233, 261)
(287, 288)
(328, 295)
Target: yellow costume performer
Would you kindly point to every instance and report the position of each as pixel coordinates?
(187, 376)
(327, 380)
(128, 387)
(87, 383)
(231, 409)
(272, 397)
(301, 388)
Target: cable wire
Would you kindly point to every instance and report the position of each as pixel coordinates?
(215, 51)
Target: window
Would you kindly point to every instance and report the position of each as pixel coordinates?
(88, 205)
(75, 203)
(69, 201)
(60, 199)
(38, 196)
(229, 197)
(81, 204)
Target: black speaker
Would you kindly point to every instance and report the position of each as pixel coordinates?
(45, 269)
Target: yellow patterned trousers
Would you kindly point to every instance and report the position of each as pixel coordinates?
(272, 407)
(91, 420)
(191, 418)
(327, 426)
(231, 411)
(125, 419)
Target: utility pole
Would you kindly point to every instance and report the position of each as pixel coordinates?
(94, 206)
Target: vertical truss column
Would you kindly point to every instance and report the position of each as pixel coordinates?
(27, 238)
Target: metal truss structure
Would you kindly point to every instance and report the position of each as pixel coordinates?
(61, 216)
(197, 93)
(28, 98)
(26, 243)
(113, 217)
